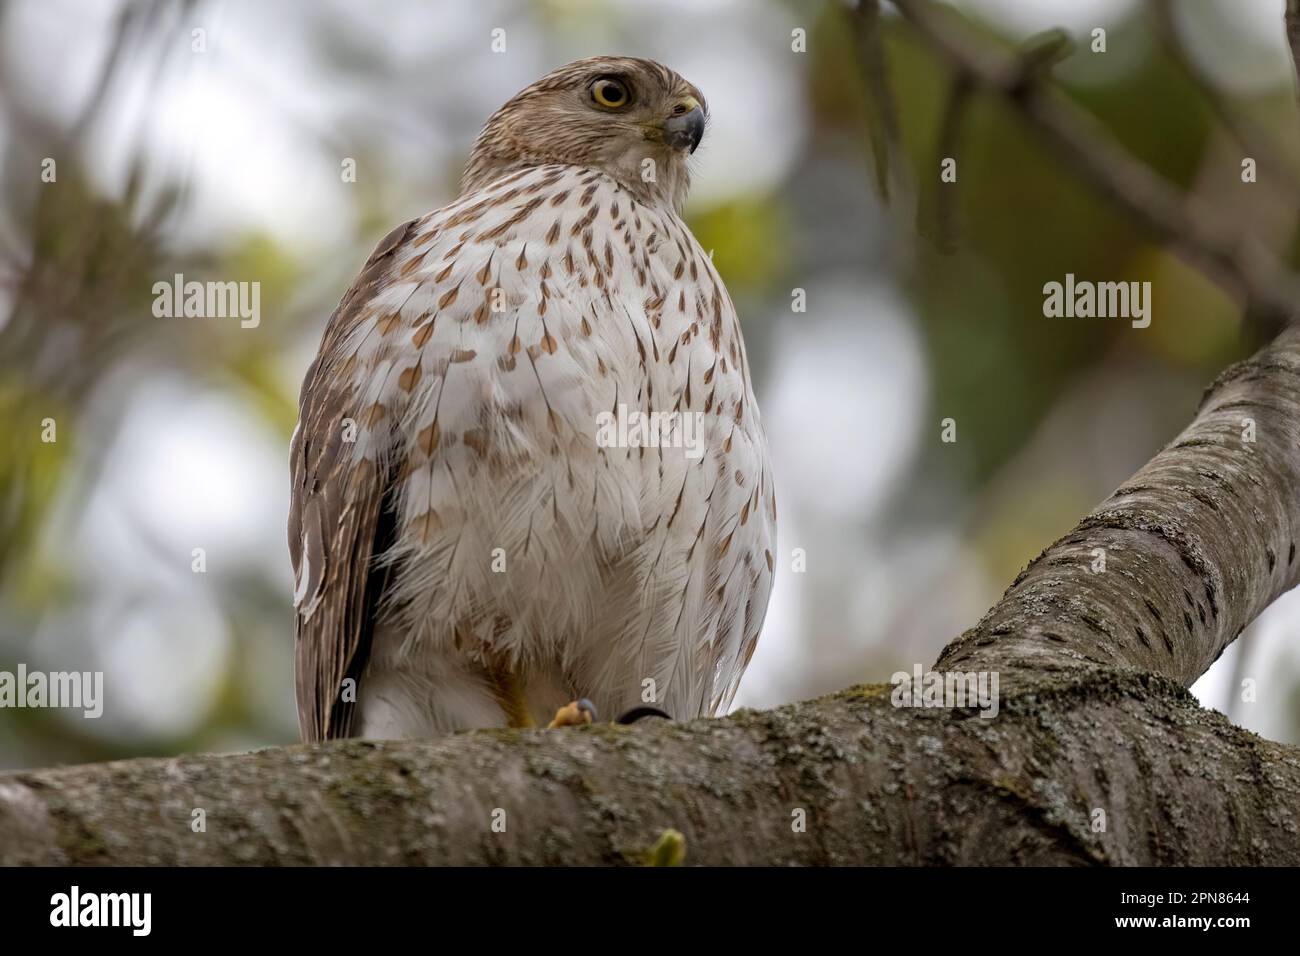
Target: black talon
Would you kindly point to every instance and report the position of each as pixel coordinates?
(638, 713)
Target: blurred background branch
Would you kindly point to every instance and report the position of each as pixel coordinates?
(887, 149)
(1253, 139)
(1292, 20)
(1238, 261)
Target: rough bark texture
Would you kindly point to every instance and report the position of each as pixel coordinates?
(1097, 754)
(1196, 544)
(878, 784)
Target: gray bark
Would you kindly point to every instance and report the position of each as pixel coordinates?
(1097, 755)
(1197, 544)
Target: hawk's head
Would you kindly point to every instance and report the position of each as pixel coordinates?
(633, 119)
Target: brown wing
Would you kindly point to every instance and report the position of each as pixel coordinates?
(338, 521)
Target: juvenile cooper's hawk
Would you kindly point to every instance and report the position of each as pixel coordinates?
(466, 547)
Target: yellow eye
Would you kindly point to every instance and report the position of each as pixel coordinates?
(609, 93)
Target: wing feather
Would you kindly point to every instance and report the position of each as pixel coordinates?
(338, 521)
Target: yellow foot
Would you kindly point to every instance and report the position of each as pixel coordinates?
(576, 713)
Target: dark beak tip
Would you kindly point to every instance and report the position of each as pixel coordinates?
(686, 131)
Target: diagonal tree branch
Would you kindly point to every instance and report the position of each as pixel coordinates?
(1194, 546)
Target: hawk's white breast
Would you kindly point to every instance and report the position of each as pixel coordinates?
(521, 313)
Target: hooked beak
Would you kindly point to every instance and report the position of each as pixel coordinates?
(685, 128)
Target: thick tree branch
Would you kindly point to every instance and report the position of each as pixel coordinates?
(878, 785)
(1195, 545)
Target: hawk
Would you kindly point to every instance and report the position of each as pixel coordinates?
(473, 546)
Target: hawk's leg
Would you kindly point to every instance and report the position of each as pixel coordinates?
(509, 693)
(576, 713)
